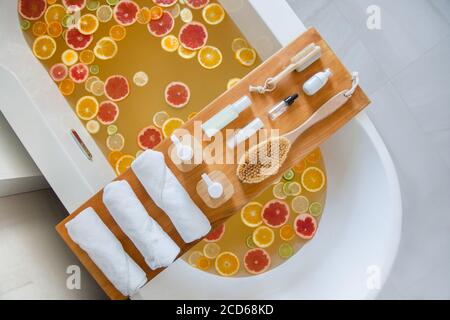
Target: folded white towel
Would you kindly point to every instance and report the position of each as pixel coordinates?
(94, 237)
(168, 194)
(158, 249)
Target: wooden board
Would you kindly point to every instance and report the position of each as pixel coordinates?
(298, 113)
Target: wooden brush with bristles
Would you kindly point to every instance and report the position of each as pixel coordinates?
(266, 158)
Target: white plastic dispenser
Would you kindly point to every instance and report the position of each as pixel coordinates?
(316, 82)
(184, 152)
(215, 189)
(225, 116)
(245, 133)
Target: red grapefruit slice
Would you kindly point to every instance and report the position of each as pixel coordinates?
(149, 137)
(162, 26)
(32, 9)
(193, 35)
(216, 234)
(256, 261)
(117, 88)
(74, 4)
(108, 112)
(165, 3)
(125, 12)
(305, 226)
(59, 72)
(79, 72)
(177, 94)
(275, 213)
(76, 40)
(197, 4)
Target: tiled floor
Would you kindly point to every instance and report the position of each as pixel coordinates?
(405, 69)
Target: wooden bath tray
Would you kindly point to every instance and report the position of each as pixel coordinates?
(244, 193)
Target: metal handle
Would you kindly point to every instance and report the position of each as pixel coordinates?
(81, 144)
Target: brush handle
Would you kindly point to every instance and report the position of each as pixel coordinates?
(323, 112)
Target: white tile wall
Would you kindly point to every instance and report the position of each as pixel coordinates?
(405, 69)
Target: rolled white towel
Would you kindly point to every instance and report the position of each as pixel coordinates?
(94, 237)
(158, 249)
(168, 194)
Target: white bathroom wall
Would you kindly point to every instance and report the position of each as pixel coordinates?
(405, 69)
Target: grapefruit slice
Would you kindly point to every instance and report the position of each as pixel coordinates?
(165, 3)
(117, 88)
(193, 36)
(149, 138)
(125, 12)
(59, 72)
(76, 40)
(216, 234)
(74, 5)
(177, 94)
(256, 261)
(79, 72)
(305, 226)
(275, 213)
(108, 112)
(197, 4)
(161, 26)
(32, 9)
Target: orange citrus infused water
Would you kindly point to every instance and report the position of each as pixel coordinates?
(134, 71)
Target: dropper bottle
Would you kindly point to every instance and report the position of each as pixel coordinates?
(281, 107)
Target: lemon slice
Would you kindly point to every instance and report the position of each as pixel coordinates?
(300, 204)
(104, 13)
(211, 250)
(140, 78)
(69, 57)
(186, 53)
(278, 191)
(106, 48)
(186, 15)
(98, 88)
(232, 82)
(115, 142)
(93, 126)
(239, 43)
(246, 56)
(159, 118)
(170, 43)
(88, 83)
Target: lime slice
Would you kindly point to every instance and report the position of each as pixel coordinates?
(289, 175)
(300, 204)
(292, 188)
(285, 251)
(278, 191)
(92, 5)
(25, 24)
(315, 209)
(112, 2)
(159, 118)
(211, 250)
(193, 258)
(249, 242)
(68, 20)
(112, 129)
(94, 69)
(92, 126)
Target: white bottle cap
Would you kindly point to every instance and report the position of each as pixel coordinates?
(215, 189)
(242, 104)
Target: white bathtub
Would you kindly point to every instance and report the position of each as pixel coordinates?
(353, 251)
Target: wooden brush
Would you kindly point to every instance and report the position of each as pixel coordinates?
(266, 158)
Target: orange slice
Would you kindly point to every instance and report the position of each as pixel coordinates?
(170, 125)
(113, 157)
(314, 156)
(51, 1)
(191, 115)
(117, 32)
(203, 263)
(44, 47)
(186, 53)
(104, 13)
(246, 56)
(88, 24)
(209, 57)
(251, 214)
(115, 142)
(227, 264)
(170, 43)
(87, 108)
(287, 232)
(67, 86)
(156, 13)
(211, 250)
(239, 43)
(39, 28)
(87, 56)
(263, 236)
(144, 15)
(299, 167)
(124, 163)
(69, 57)
(55, 12)
(313, 179)
(106, 48)
(232, 82)
(213, 13)
(54, 29)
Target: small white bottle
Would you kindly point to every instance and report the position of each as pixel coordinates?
(316, 82)
(225, 116)
(245, 133)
